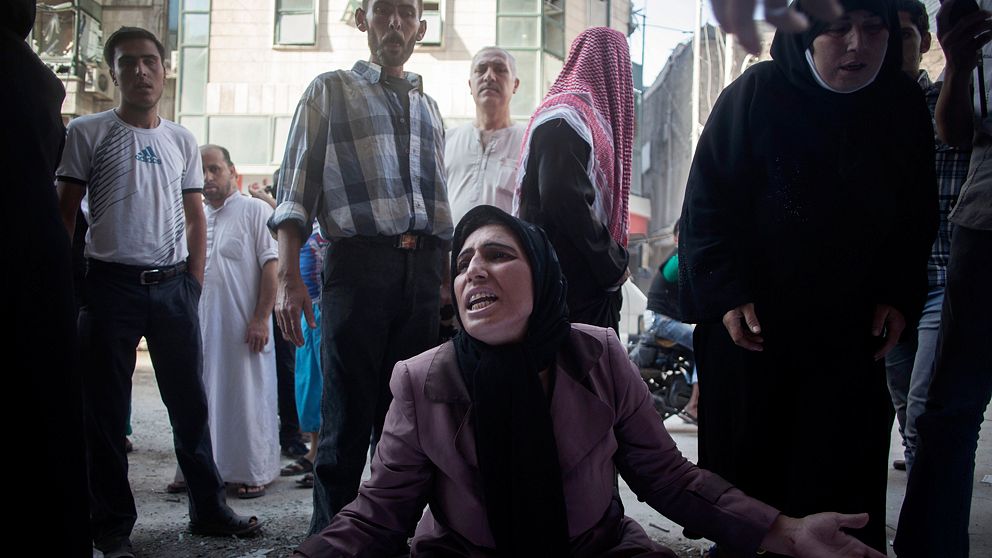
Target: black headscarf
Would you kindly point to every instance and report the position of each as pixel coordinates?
(789, 49)
(515, 442)
(17, 16)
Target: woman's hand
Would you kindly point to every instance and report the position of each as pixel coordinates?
(818, 536)
(962, 41)
(737, 17)
(743, 327)
(889, 321)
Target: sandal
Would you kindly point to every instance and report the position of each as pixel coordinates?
(249, 491)
(226, 526)
(298, 467)
(176, 487)
(688, 418)
(306, 481)
(120, 548)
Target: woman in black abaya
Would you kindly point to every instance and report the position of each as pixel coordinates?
(809, 213)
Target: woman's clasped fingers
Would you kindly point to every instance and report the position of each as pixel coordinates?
(743, 326)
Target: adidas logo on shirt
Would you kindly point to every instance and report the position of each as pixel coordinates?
(146, 155)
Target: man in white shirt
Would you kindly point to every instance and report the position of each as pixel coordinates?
(480, 158)
(142, 178)
(239, 366)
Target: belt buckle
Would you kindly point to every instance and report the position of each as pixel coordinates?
(408, 242)
(150, 277)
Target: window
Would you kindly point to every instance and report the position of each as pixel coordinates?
(172, 41)
(554, 27)
(599, 13)
(296, 22)
(534, 32)
(68, 32)
(193, 84)
(434, 16)
(194, 37)
(247, 137)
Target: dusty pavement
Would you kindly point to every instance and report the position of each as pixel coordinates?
(161, 530)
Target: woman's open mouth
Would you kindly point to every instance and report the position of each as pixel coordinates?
(478, 301)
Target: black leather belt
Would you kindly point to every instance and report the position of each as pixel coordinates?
(405, 241)
(141, 275)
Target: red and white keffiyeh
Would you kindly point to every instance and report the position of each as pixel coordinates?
(594, 94)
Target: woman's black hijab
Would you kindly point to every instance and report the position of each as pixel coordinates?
(789, 49)
(514, 435)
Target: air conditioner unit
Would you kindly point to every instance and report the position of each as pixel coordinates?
(99, 83)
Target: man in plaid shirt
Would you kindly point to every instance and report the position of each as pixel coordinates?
(909, 365)
(365, 157)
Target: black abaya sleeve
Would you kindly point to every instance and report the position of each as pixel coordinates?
(557, 163)
(714, 274)
(901, 272)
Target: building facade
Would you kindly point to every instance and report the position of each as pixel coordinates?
(243, 64)
(236, 68)
(666, 135)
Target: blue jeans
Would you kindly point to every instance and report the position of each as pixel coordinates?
(935, 514)
(379, 305)
(668, 328)
(909, 367)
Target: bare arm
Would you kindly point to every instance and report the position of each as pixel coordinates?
(70, 196)
(292, 297)
(961, 43)
(954, 113)
(257, 335)
(737, 17)
(258, 191)
(657, 472)
(196, 234)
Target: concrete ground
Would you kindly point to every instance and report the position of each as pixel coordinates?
(981, 503)
(161, 528)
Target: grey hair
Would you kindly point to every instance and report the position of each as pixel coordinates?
(509, 58)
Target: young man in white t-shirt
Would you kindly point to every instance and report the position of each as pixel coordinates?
(145, 248)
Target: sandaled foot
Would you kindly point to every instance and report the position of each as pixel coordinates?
(688, 418)
(294, 449)
(298, 467)
(177, 487)
(249, 491)
(118, 548)
(306, 481)
(232, 525)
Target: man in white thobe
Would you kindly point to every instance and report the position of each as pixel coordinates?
(480, 158)
(239, 367)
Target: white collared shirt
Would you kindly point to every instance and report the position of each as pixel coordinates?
(477, 175)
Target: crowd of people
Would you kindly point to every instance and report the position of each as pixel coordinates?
(832, 254)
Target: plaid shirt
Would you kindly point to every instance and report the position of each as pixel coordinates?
(952, 170)
(363, 163)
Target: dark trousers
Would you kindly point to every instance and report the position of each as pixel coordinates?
(379, 305)
(118, 313)
(935, 514)
(289, 421)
